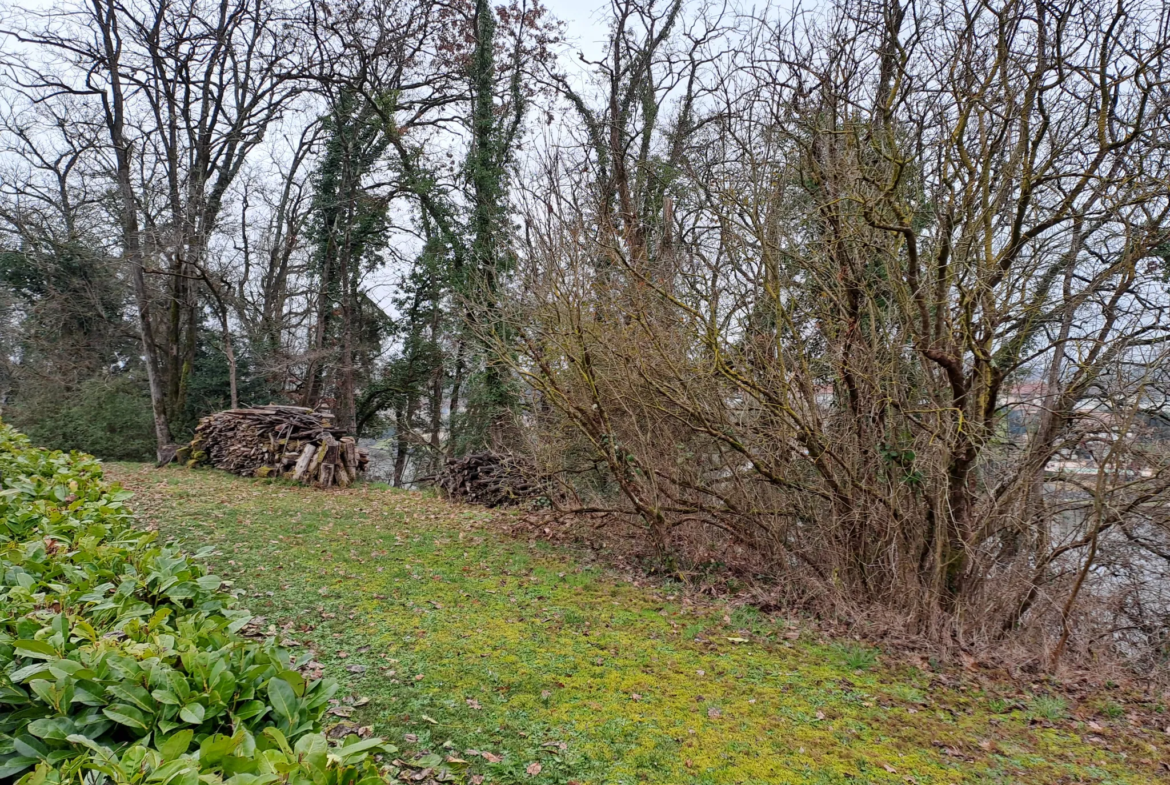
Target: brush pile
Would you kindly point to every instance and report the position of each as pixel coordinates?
(277, 441)
(489, 479)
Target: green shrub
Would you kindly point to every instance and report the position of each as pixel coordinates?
(120, 656)
(237, 760)
(108, 415)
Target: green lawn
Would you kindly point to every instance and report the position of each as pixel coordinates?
(533, 666)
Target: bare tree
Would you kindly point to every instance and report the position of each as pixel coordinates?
(908, 267)
(186, 92)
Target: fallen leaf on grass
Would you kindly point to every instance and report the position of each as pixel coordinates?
(490, 758)
(533, 769)
(951, 751)
(343, 729)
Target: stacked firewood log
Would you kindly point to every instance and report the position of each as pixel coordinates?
(490, 479)
(277, 441)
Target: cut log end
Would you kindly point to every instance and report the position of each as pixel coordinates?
(277, 441)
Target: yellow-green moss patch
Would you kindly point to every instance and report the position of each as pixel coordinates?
(463, 639)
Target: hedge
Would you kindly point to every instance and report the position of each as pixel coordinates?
(121, 659)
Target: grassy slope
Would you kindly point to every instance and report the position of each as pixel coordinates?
(489, 644)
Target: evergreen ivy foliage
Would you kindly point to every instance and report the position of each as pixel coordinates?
(346, 218)
(493, 138)
(69, 273)
(409, 376)
(107, 414)
(74, 379)
(121, 659)
(349, 230)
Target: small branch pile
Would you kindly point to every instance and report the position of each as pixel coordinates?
(488, 478)
(277, 441)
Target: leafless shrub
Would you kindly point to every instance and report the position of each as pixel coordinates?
(877, 297)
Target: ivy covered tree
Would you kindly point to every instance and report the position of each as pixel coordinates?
(501, 91)
(349, 228)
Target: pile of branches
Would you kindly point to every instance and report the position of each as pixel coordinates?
(490, 479)
(277, 441)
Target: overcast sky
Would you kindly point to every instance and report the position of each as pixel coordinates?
(585, 31)
(584, 28)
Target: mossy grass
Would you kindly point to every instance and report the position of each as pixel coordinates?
(462, 638)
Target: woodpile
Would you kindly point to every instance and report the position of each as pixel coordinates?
(277, 441)
(488, 478)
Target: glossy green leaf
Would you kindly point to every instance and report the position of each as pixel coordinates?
(38, 649)
(283, 698)
(193, 713)
(176, 744)
(129, 716)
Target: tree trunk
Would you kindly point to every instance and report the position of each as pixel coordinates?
(347, 408)
(113, 104)
(231, 361)
(456, 384)
(162, 428)
(400, 450)
(315, 374)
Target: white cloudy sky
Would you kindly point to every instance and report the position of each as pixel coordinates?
(584, 27)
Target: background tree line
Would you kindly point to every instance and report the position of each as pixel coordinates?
(200, 198)
(865, 302)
